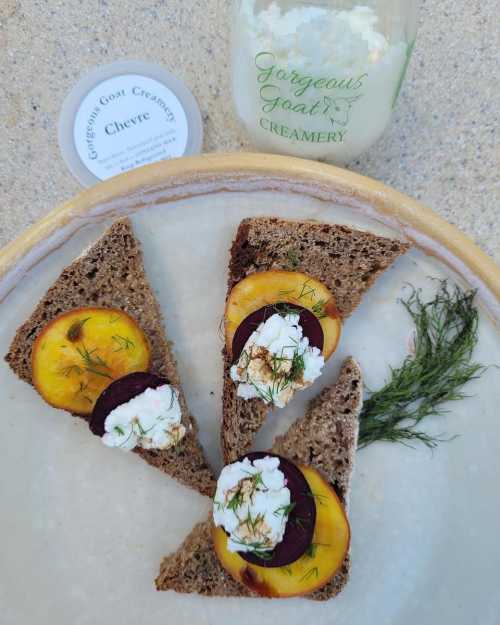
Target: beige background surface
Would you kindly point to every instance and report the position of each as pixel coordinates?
(441, 147)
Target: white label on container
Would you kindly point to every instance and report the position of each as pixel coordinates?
(126, 122)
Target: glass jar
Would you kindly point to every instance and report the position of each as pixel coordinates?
(319, 79)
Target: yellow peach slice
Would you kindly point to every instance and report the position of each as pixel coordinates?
(78, 355)
(311, 571)
(272, 287)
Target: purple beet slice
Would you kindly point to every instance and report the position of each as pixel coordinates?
(301, 520)
(120, 392)
(308, 320)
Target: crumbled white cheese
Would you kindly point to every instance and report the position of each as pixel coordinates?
(252, 503)
(276, 361)
(151, 420)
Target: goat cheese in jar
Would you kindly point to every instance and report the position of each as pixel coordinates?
(316, 80)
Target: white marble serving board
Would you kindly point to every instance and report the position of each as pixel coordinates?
(84, 528)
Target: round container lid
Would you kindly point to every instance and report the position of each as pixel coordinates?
(124, 115)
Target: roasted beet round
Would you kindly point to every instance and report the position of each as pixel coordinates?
(120, 392)
(301, 521)
(308, 320)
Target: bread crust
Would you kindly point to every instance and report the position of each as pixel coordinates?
(345, 260)
(111, 274)
(325, 438)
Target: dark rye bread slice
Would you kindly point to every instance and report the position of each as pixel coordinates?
(111, 274)
(347, 261)
(326, 438)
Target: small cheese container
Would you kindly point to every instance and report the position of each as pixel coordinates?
(124, 115)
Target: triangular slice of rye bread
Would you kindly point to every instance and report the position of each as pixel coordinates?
(325, 438)
(347, 261)
(111, 275)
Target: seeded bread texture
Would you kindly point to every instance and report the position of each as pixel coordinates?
(241, 419)
(325, 438)
(327, 442)
(111, 274)
(194, 568)
(347, 261)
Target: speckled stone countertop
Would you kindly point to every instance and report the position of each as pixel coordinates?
(441, 147)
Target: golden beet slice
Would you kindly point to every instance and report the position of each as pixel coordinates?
(312, 570)
(291, 287)
(78, 355)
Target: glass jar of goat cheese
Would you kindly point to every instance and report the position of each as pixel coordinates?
(319, 79)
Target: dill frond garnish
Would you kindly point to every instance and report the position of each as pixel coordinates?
(311, 550)
(81, 391)
(284, 308)
(93, 362)
(319, 309)
(284, 510)
(317, 497)
(258, 481)
(284, 293)
(122, 342)
(310, 573)
(307, 291)
(253, 523)
(446, 333)
(257, 548)
(67, 371)
(301, 523)
(235, 501)
(298, 366)
(292, 259)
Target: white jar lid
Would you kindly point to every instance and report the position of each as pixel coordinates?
(124, 115)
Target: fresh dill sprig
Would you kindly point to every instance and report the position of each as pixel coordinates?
(93, 361)
(301, 523)
(263, 555)
(253, 523)
(284, 510)
(284, 308)
(258, 481)
(235, 502)
(286, 570)
(122, 343)
(123, 443)
(67, 371)
(313, 548)
(317, 497)
(284, 292)
(319, 309)
(257, 548)
(298, 366)
(307, 291)
(446, 333)
(292, 259)
(81, 391)
(310, 573)
(173, 397)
